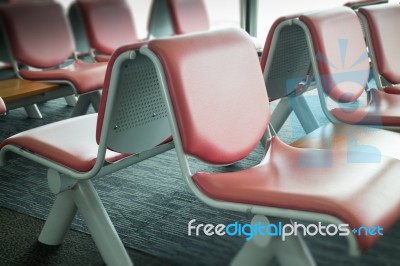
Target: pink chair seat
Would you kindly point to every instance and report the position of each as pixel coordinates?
(384, 110)
(392, 90)
(85, 77)
(340, 136)
(71, 142)
(359, 196)
(2, 106)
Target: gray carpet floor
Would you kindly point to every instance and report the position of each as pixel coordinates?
(19, 245)
(150, 206)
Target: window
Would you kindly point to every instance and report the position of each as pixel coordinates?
(269, 11)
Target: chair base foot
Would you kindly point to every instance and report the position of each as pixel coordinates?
(84, 102)
(70, 100)
(83, 197)
(59, 220)
(33, 111)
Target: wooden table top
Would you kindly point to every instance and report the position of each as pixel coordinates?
(14, 89)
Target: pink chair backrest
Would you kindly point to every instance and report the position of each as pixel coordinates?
(341, 52)
(383, 21)
(109, 24)
(217, 91)
(188, 16)
(39, 33)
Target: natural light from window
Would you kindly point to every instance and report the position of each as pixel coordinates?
(226, 13)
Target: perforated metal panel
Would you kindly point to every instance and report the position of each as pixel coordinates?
(290, 64)
(139, 120)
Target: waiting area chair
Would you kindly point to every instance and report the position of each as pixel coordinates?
(131, 125)
(105, 24)
(208, 93)
(289, 77)
(383, 40)
(174, 17)
(7, 73)
(40, 39)
(341, 66)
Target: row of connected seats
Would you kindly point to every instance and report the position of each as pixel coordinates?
(41, 48)
(382, 108)
(42, 41)
(288, 79)
(289, 183)
(175, 82)
(100, 27)
(13, 90)
(341, 71)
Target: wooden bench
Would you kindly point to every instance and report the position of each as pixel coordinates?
(16, 92)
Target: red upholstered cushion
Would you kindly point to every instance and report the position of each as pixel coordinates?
(392, 90)
(39, 33)
(360, 194)
(70, 142)
(188, 16)
(341, 52)
(208, 78)
(341, 136)
(84, 76)
(106, 85)
(382, 23)
(384, 110)
(2, 106)
(109, 24)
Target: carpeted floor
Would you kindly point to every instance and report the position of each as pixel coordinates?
(19, 245)
(151, 206)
